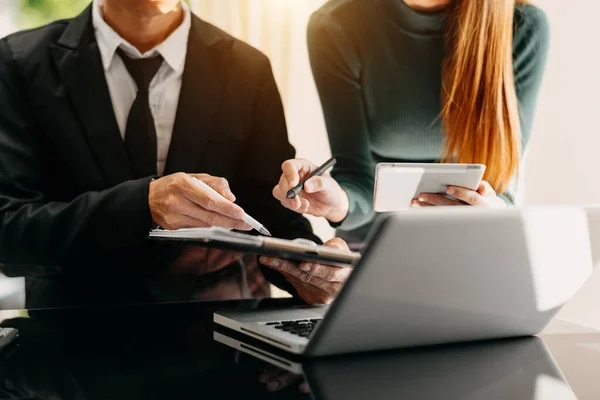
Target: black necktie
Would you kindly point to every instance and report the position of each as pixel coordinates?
(140, 133)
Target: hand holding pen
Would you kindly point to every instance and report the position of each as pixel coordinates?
(260, 228)
(196, 200)
(305, 189)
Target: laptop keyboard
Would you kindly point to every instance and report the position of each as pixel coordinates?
(300, 327)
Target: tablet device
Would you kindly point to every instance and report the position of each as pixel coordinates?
(297, 250)
(396, 184)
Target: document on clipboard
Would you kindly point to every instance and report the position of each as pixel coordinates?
(297, 250)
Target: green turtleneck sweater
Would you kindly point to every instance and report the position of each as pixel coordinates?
(377, 65)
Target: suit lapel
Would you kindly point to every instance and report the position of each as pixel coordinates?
(80, 66)
(202, 89)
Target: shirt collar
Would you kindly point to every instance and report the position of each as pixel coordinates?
(173, 49)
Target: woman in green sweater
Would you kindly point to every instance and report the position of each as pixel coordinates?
(419, 81)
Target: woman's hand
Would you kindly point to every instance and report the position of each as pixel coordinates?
(315, 283)
(484, 196)
(322, 195)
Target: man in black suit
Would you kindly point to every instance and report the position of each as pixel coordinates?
(103, 119)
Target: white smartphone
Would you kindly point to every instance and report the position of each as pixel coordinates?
(396, 184)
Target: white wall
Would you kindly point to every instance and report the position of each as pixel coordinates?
(563, 164)
(278, 28)
(8, 17)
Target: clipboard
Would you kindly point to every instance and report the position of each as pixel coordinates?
(296, 250)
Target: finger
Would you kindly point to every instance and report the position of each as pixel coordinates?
(337, 243)
(281, 195)
(270, 368)
(284, 185)
(290, 175)
(270, 374)
(211, 201)
(284, 266)
(317, 184)
(323, 292)
(292, 271)
(468, 196)
(204, 217)
(179, 221)
(272, 262)
(294, 203)
(278, 192)
(215, 219)
(221, 186)
(304, 206)
(327, 273)
(437, 200)
(294, 169)
(418, 204)
(283, 381)
(179, 212)
(485, 189)
(303, 388)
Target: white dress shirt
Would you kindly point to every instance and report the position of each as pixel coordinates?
(165, 87)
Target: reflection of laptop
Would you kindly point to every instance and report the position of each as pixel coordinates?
(520, 368)
(438, 276)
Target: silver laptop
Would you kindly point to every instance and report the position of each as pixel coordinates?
(439, 276)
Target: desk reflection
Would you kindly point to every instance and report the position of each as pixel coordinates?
(200, 273)
(153, 273)
(167, 351)
(516, 369)
(506, 369)
(161, 351)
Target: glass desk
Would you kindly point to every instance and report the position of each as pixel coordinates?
(167, 351)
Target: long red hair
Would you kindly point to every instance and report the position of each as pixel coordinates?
(479, 103)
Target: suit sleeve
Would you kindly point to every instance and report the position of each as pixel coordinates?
(37, 231)
(260, 169)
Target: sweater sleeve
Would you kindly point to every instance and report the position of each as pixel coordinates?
(530, 51)
(336, 68)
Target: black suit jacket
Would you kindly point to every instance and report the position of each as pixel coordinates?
(69, 208)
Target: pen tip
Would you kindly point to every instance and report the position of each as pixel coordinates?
(290, 194)
(264, 231)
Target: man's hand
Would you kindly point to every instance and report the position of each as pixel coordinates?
(176, 201)
(315, 283)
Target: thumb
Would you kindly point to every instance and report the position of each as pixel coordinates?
(317, 184)
(485, 189)
(337, 243)
(295, 169)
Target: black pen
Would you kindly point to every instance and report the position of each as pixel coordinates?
(293, 192)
